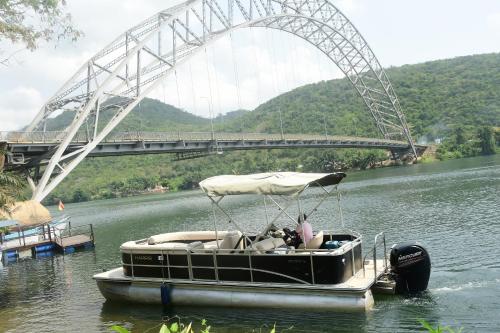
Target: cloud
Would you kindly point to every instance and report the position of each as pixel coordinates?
(19, 106)
(349, 7)
(493, 21)
(244, 71)
(240, 71)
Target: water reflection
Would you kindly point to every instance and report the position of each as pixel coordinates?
(244, 320)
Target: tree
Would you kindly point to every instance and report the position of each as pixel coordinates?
(29, 21)
(459, 136)
(486, 140)
(80, 196)
(497, 135)
(11, 186)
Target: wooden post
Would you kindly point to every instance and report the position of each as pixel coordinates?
(24, 240)
(92, 234)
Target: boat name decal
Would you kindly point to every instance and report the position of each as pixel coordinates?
(410, 256)
(296, 261)
(143, 258)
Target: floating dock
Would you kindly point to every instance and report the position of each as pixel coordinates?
(46, 242)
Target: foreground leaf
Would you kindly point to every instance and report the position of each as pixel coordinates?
(119, 329)
(164, 329)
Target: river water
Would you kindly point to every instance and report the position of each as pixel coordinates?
(452, 207)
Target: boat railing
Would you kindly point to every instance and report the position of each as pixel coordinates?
(379, 241)
(166, 273)
(72, 231)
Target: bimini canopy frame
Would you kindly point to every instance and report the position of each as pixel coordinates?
(270, 183)
(290, 184)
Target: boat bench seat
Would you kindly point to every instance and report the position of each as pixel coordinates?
(228, 242)
(268, 244)
(167, 246)
(185, 236)
(182, 246)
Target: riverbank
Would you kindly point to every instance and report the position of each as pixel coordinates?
(125, 176)
(132, 184)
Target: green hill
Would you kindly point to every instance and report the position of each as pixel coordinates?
(440, 98)
(149, 115)
(435, 96)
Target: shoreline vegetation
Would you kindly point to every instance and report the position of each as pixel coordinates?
(452, 148)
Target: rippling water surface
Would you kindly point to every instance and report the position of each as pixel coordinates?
(452, 207)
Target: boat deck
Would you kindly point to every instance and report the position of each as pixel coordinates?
(66, 241)
(27, 243)
(73, 240)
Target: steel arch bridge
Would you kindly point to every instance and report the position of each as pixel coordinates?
(119, 76)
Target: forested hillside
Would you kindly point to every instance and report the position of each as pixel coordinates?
(448, 100)
(436, 96)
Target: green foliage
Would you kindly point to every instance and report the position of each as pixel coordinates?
(29, 21)
(11, 186)
(170, 327)
(119, 329)
(439, 328)
(462, 143)
(178, 327)
(436, 97)
(80, 196)
(149, 115)
(486, 140)
(497, 135)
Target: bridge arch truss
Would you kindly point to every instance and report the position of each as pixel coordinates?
(133, 65)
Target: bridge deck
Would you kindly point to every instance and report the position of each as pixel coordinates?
(28, 145)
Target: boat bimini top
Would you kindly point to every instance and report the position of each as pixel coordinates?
(269, 183)
(288, 184)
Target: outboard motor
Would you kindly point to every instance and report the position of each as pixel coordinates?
(410, 267)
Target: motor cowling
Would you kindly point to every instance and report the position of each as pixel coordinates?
(410, 267)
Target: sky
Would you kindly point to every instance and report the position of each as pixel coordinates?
(252, 65)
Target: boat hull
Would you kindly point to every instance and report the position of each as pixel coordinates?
(114, 286)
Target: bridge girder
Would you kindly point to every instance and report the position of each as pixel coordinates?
(128, 69)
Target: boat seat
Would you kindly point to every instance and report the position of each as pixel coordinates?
(185, 236)
(268, 244)
(231, 239)
(211, 245)
(228, 242)
(182, 246)
(314, 243)
(171, 247)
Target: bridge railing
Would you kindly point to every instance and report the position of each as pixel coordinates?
(137, 136)
(40, 137)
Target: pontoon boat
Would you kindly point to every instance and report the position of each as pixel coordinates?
(263, 269)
